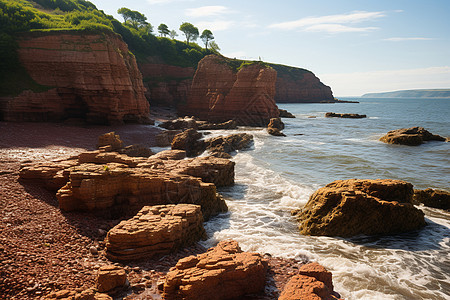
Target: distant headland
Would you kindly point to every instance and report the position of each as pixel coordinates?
(423, 93)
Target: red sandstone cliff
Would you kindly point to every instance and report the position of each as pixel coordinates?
(295, 85)
(166, 85)
(91, 76)
(219, 94)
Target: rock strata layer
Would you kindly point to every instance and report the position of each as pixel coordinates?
(223, 272)
(219, 93)
(103, 180)
(413, 136)
(312, 282)
(352, 207)
(155, 230)
(110, 277)
(90, 76)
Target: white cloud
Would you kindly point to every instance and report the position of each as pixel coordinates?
(337, 28)
(358, 83)
(402, 39)
(214, 25)
(207, 11)
(331, 23)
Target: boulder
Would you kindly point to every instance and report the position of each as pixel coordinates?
(432, 198)
(111, 140)
(97, 181)
(223, 272)
(204, 125)
(110, 277)
(180, 123)
(312, 282)
(226, 144)
(345, 116)
(136, 151)
(352, 207)
(413, 136)
(165, 138)
(285, 114)
(189, 141)
(275, 126)
(155, 230)
(220, 93)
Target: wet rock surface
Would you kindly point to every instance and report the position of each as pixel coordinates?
(413, 136)
(352, 207)
(432, 198)
(345, 116)
(275, 127)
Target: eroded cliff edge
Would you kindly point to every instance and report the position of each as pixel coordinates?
(90, 76)
(220, 92)
(169, 85)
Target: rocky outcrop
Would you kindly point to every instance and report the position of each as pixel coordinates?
(432, 198)
(223, 272)
(219, 93)
(275, 126)
(165, 138)
(285, 114)
(296, 85)
(221, 146)
(352, 207)
(312, 282)
(180, 123)
(167, 85)
(155, 230)
(413, 136)
(110, 277)
(110, 141)
(97, 181)
(345, 116)
(91, 76)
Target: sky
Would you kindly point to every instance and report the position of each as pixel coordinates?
(353, 46)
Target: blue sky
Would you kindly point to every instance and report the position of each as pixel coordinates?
(354, 46)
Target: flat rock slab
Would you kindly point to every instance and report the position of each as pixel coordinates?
(101, 180)
(223, 272)
(352, 207)
(155, 230)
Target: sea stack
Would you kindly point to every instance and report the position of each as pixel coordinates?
(221, 92)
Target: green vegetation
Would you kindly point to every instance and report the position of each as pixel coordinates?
(190, 31)
(206, 37)
(237, 64)
(17, 16)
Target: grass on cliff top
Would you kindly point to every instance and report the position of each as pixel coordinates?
(237, 64)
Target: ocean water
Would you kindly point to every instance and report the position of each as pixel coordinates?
(280, 173)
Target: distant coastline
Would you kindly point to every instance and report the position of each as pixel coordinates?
(423, 93)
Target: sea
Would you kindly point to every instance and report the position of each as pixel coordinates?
(278, 174)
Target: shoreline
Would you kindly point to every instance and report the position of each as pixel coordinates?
(44, 250)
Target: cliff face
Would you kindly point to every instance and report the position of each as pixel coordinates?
(91, 76)
(219, 94)
(166, 85)
(295, 85)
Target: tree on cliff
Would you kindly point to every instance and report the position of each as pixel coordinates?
(163, 29)
(206, 37)
(133, 18)
(190, 31)
(213, 47)
(173, 34)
